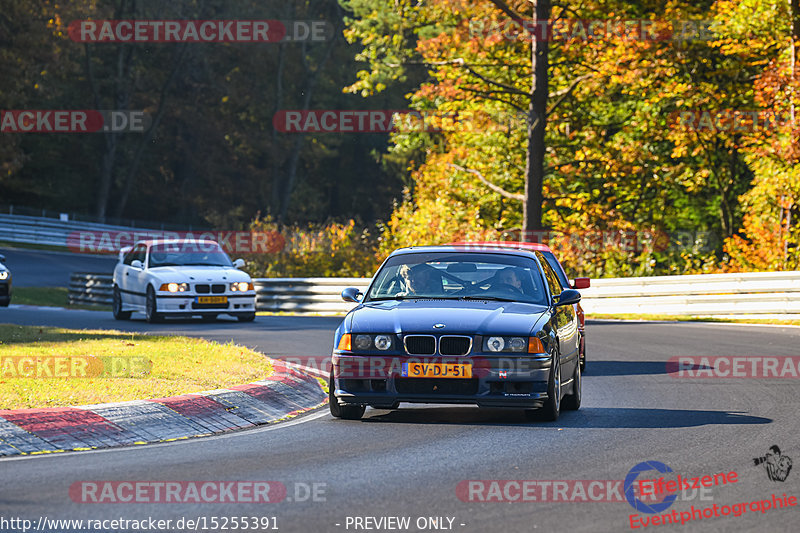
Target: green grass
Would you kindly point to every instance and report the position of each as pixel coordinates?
(179, 365)
(688, 318)
(49, 296)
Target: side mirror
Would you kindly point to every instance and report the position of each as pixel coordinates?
(581, 283)
(2, 258)
(137, 264)
(351, 294)
(567, 297)
(239, 263)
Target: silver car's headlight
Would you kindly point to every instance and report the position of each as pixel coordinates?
(3, 274)
(241, 286)
(174, 287)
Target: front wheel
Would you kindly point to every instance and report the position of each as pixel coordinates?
(552, 406)
(573, 401)
(151, 313)
(348, 412)
(116, 305)
(249, 317)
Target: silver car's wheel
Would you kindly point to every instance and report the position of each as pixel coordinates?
(151, 307)
(116, 305)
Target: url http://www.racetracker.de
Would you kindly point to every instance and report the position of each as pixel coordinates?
(201, 523)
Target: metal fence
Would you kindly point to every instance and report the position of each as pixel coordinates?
(773, 293)
(57, 232)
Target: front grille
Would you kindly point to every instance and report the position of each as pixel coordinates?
(196, 305)
(202, 288)
(454, 345)
(455, 387)
(218, 288)
(3, 289)
(420, 344)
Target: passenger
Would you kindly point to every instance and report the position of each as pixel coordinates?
(421, 280)
(509, 276)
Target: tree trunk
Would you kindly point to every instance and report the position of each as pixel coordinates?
(537, 123)
(794, 6)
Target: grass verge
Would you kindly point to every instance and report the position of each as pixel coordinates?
(178, 365)
(687, 318)
(51, 297)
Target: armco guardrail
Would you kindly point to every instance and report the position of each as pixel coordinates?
(708, 294)
(54, 232)
(305, 295)
(296, 295)
(88, 288)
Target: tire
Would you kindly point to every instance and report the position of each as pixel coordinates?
(583, 355)
(552, 406)
(348, 412)
(573, 401)
(5, 303)
(116, 305)
(150, 306)
(246, 318)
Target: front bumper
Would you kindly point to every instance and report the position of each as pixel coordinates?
(5, 291)
(497, 381)
(187, 304)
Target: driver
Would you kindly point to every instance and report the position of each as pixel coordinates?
(421, 280)
(509, 276)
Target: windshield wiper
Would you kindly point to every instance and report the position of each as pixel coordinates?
(402, 297)
(492, 298)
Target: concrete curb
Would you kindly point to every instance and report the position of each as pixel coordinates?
(290, 391)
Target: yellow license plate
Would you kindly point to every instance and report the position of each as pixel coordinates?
(437, 370)
(212, 299)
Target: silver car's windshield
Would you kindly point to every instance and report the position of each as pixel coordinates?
(446, 275)
(168, 254)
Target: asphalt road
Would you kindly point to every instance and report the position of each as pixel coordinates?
(409, 463)
(39, 268)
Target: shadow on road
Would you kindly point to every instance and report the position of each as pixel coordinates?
(589, 417)
(625, 368)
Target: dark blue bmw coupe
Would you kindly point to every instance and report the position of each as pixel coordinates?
(483, 325)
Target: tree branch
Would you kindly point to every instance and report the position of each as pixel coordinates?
(492, 186)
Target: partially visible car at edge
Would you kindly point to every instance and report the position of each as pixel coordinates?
(180, 278)
(5, 283)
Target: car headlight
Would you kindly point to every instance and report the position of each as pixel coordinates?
(241, 286)
(3, 274)
(174, 287)
(506, 344)
(365, 342)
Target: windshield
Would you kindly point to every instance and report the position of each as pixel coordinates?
(204, 254)
(447, 275)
